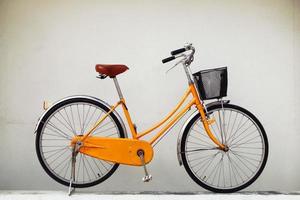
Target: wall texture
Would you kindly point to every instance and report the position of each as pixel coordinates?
(48, 50)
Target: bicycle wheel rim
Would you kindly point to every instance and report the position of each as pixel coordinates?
(216, 173)
(89, 170)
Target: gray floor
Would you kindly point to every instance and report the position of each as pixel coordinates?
(58, 195)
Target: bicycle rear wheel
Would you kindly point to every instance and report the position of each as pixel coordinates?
(225, 171)
(63, 121)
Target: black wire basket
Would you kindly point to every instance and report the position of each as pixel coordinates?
(211, 83)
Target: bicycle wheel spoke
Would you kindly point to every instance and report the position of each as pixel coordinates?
(221, 128)
(245, 165)
(78, 168)
(85, 168)
(97, 168)
(80, 124)
(236, 171)
(68, 160)
(226, 139)
(55, 139)
(239, 170)
(71, 109)
(245, 159)
(111, 134)
(223, 169)
(247, 142)
(95, 122)
(63, 161)
(199, 149)
(69, 121)
(241, 124)
(242, 133)
(215, 174)
(51, 146)
(199, 158)
(49, 151)
(56, 158)
(216, 168)
(249, 153)
(201, 133)
(232, 127)
(85, 119)
(202, 163)
(67, 169)
(245, 138)
(246, 156)
(90, 167)
(101, 162)
(71, 128)
(59, 136)
(90, 118)
(96, 133)
(209, 163)
(63, 124)
(219, 173)
(206, 144)
(57, 130)
(55, 152)
(102, 125)
(213, 129)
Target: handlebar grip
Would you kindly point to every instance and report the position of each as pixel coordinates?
(168, 59)
(178, 51)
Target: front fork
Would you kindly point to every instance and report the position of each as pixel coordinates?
(205, 121)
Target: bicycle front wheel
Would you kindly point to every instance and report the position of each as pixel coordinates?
(231, 170)
(57, 128)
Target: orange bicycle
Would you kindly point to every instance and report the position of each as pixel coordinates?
(81, 140)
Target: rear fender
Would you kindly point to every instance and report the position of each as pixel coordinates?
(87, 97)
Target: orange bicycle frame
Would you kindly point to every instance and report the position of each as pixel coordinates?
(194, 101)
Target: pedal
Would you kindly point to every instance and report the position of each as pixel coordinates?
(147, 176)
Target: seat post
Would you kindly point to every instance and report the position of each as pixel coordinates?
(118, 87)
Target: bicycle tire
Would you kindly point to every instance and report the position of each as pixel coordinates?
(93, 165)
(232, 169)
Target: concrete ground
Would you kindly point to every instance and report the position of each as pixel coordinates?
(58, 195)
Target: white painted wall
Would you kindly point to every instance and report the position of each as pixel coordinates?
(48, 50)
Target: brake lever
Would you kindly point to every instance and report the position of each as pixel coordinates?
(181, 61)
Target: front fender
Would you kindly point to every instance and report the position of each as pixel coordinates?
(87, 97)
(179, 157)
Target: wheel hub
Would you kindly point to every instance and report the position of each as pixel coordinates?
(226, 148)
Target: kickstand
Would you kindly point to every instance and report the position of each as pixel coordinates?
(72, 179)
(147, 176)
(71, 189)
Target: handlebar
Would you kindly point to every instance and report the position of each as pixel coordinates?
(188, 58)
(178, 51)
(168, 59)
